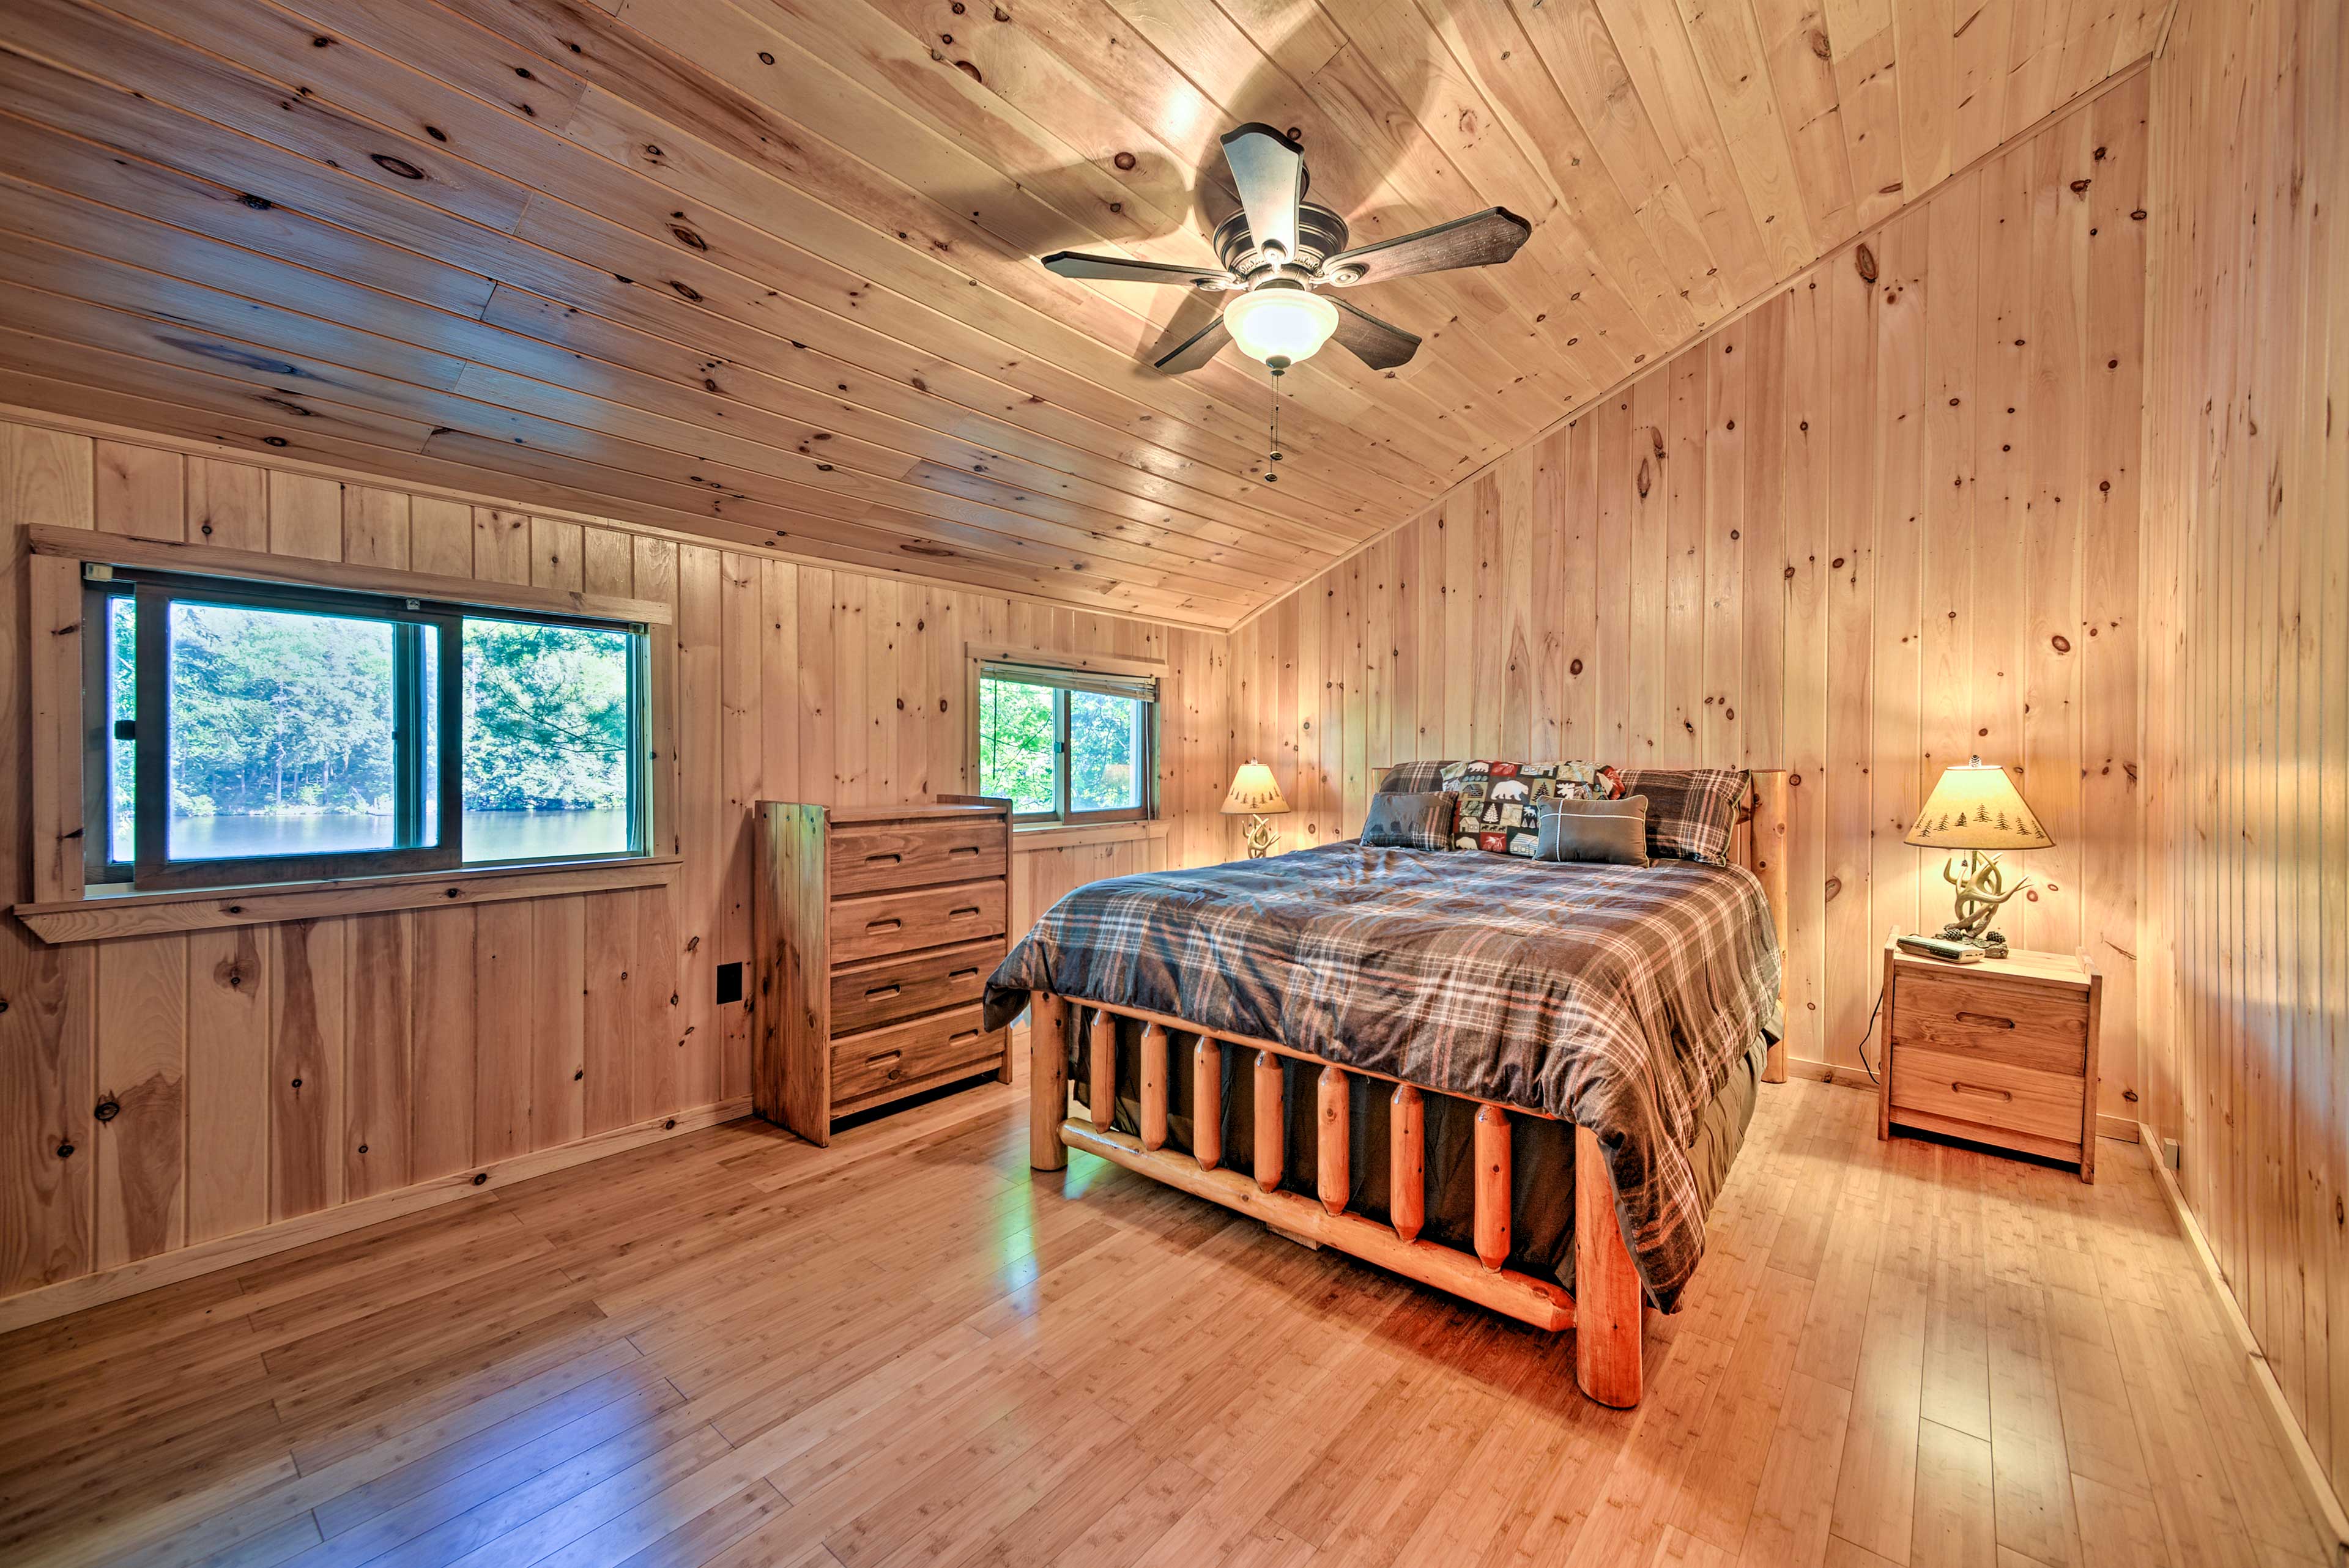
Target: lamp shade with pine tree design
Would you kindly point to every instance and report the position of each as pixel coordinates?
(1977, 807)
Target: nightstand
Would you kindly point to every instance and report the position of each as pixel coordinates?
(2001, 1052)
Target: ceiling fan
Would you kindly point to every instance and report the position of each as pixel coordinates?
(1279, 248)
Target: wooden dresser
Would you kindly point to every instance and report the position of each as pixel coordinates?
(2001, 1052)
(876, 928)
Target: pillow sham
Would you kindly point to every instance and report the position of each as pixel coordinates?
(1412, 778)
(1690, 811)
(1500, 802)
(1415, 821)
(1596, 832)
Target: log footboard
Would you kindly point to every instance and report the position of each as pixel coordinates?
(1606, 1308)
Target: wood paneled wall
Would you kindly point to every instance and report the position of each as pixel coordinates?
(1887, 520)
(2247, 695)
(273, 1071)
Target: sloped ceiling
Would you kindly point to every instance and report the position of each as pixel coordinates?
(763, 269)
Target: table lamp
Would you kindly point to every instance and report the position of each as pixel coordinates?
(1976, 809)
(1256, 794)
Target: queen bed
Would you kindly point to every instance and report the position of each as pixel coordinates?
(1522, 1083)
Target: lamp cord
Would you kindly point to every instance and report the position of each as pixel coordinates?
(1870, 1034)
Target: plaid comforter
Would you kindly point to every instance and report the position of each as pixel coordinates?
(1613, 996)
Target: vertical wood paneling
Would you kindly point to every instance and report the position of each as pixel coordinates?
(1804, 543)
(46, 1135)
(228, 504)
(379, 1023)
(228, 1081)
(2243, 569)
(505, 997)
(142, 1000)
(306, 1041)
(442, 1046)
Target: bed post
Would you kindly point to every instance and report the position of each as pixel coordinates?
(1048, 1080)
(1607, 1300)
(1766, 857)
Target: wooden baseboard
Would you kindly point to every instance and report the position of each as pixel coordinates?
(2118, 1127)
(40, 1305)
(2315, 1486)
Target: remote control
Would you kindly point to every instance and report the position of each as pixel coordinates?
(1935, 947)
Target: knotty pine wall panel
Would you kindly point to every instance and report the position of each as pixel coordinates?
(269, 1072)
(2246, 562)
(1883, 521)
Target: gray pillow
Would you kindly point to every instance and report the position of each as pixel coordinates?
(1415, 821)
(1599, 832)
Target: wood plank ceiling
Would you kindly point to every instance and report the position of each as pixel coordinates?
(763, 269)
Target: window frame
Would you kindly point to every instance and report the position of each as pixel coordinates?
(155, 591)
(1080, 674)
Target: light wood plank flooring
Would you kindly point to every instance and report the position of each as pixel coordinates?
(736, 1349)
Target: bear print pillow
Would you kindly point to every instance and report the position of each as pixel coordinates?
(1500, 802)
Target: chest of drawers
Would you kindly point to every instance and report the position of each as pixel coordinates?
(876, 928)
(2001, 1052)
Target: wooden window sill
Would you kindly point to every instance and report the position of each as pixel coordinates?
(1064, 836)
(129, 914)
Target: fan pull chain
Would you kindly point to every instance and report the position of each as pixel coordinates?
(1278, 367)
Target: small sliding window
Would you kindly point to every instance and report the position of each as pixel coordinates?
(1067, 745)
(250, 733)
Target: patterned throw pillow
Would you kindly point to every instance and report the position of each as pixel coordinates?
(1690, 811)
(1415, 821)
(1500, 802)
(1412, 778)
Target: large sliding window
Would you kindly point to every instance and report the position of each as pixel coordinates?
(1067, 746)
(249, 733)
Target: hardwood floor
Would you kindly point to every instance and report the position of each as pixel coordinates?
(738, 1349)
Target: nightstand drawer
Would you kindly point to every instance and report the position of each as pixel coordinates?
(1994, 1094)
(2045, 1029)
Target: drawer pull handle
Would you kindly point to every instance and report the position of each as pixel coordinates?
(964, 849)
(888, 990)
(890, 924)
(885, 860)
(964, 973)
(883, 1056)
(959, 1038)
(1988, 1020)
(1980, 1089)
(966, 913)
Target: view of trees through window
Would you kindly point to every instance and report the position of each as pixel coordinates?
(1020, 728)
(282, 735)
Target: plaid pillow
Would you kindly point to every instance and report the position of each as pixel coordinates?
(1414, 822)
(1500, 802)
(1412, 778)
(1690, 811)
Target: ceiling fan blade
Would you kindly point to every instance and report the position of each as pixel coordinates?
(1123, 269)
(1268, 170)
(1186, 344)
(1479, 240)
(1380, 344)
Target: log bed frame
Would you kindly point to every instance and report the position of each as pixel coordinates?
(1605, 1310)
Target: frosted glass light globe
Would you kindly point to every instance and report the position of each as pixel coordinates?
(1280, 321)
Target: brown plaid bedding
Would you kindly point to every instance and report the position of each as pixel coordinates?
(1614, 997)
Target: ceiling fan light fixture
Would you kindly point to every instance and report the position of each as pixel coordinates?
(1280, 321)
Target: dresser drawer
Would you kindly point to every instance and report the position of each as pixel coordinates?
(883, 990)
(2045, 1029)
(877, 924)
(1996, 1095)
(880, 1063)
(869, 859)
